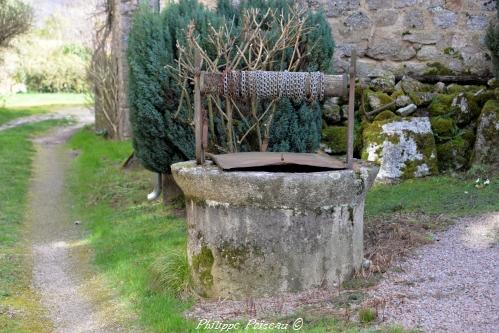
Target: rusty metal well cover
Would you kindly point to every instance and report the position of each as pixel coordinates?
(254, 160)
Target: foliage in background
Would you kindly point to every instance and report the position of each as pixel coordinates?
(161, 96)
(16, 18)
(492, 41)
(49, 64)
(63, 69)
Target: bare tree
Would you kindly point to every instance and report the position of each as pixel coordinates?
(16, 18)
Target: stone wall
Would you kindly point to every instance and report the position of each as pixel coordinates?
(411, 36)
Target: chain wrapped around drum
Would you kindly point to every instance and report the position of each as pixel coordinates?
(298, 86)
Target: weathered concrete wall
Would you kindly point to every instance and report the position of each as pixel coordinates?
(404, 36)
(261, 233)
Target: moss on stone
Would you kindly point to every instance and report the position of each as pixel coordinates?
(397, 93)
(385, 115)
(383, 98)
(490, 111)
(475, 103)
(441, 105)
(443, 127)
(487, 144)
(455, 88)
(482, 98)
(454, 154)
(335, 137)
(426, 146)
(415, 98)
(373, 134)
(491, 106)
(437, 68)
(202, 264)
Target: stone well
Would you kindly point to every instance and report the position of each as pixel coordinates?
(255, 233)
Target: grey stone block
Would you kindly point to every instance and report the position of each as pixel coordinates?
(444, 18)
(477, 22)
(358, 21)
(336, 8)
(404, 3)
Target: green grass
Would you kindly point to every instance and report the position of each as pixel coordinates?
(447, 195)
(41, 99)
(7, 115)
(16, 296)
(23, 105)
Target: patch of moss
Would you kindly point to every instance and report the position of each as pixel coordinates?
(454, 154)
(335, 137)
(488, 151)
(455, 88)
(383, 97)
(426, 146)
(202, 264)
(482, 98)
(443, 127)
(476, 103)
(441, 105)
(237, 256)
(491, 111)
(397, 93)
(372, 134)
(385, 115)
(437, 68)
(450, 51)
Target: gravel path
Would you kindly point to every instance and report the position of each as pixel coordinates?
(74, 295)
(451, 285)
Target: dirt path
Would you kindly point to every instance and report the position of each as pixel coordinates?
(73, 294)
(451, 285)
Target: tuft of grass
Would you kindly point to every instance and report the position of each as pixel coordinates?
(170, 273)
(367, 315)
(20, 310)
